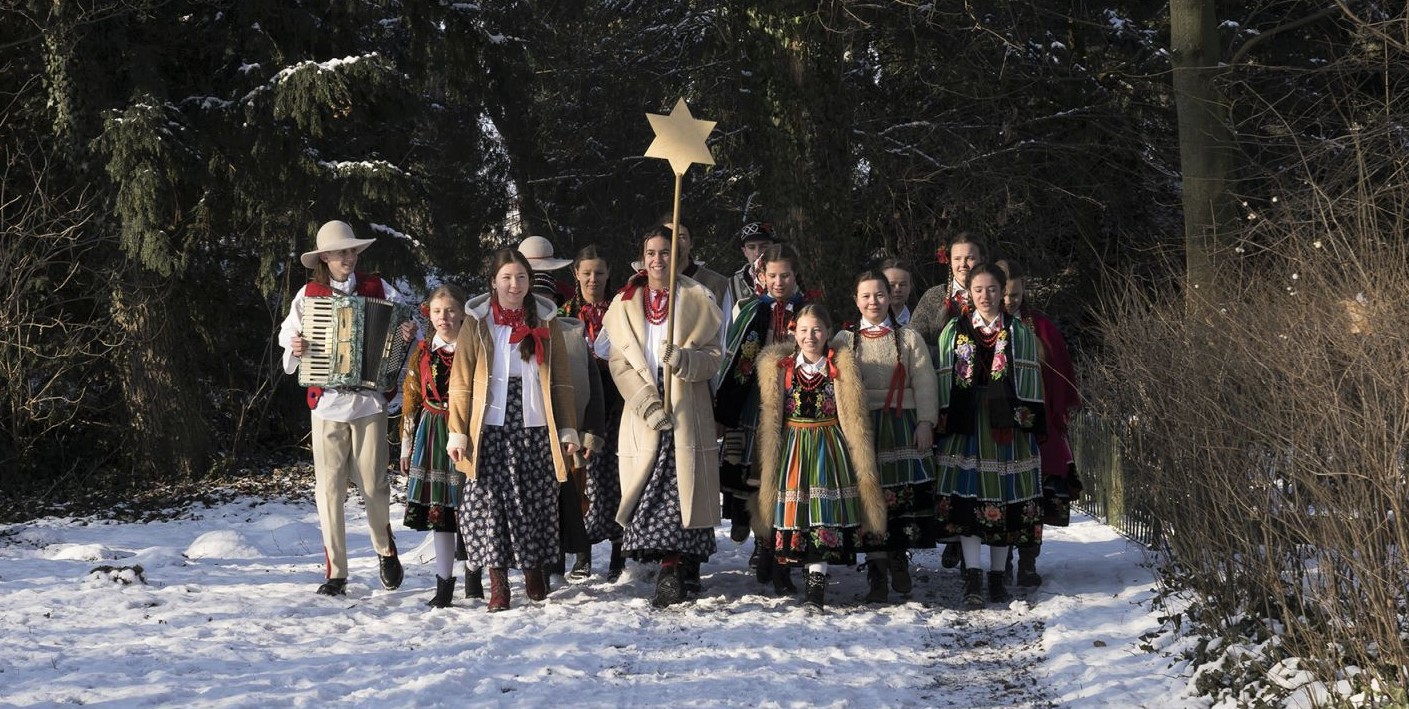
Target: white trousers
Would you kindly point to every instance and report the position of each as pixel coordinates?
(357, 451)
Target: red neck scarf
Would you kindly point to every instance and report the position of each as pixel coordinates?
(518, 329)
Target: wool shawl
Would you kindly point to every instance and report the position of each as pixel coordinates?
(1022, 383)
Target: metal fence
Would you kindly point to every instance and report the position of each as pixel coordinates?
(1111, 494)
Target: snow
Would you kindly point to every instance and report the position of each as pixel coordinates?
(221, 613)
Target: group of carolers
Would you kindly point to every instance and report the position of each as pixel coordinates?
(535, 427)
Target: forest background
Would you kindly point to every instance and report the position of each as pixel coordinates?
(1210, 199)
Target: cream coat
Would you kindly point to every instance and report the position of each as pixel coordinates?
(697, 322)
(469, 384)
(855, 422)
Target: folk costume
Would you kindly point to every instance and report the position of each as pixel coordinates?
(512, 417)
(433, 485)
(349, 436)
(936, 308)
(901, 394)
(820, 489)
(756, 323)
(602, 486)
(669, 465)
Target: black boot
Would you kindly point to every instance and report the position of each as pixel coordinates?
(764, 566)
(900, 572)
(1027, 567)
(617, 564)
(333, 587)
(783, 580)
(474, 583)
(669, 590)
(816, 588)
(558, 566)
(391, 572)
(876, 580)
(690, 577)
(973, 589)
(444, 592)
(996, 592)
(582, 568)
(953, 555)
(1008, 572)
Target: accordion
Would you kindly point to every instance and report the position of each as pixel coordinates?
(353, 342)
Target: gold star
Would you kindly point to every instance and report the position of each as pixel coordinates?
(680, 138)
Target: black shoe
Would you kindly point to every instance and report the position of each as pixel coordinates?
(690, 577)
(474, 583)
(617, 564)
(816, 588)
(333, 587)
(996, 592)
(669, 590)
(783, 581)
(900, 579)
(444, 593)
(876, 580)
(764, 567)
(392, 573)
(953, 555)
(973, 589)
(1027, 567)
(559, 567)
(581, 568)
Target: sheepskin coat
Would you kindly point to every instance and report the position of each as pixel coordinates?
(697, 322)
(469, 384)
(855, 420)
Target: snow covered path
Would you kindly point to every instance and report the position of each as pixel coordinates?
(227, 617)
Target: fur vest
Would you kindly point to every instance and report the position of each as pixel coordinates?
(855, 420)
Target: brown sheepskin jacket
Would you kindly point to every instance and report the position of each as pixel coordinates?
(855, 425)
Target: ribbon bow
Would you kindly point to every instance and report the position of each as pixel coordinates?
(519, 330)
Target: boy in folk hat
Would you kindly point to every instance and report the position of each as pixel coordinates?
(745, 284)
(349, 424)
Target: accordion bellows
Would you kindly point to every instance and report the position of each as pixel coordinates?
(353, 342)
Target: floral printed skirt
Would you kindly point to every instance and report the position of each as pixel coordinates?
(656, 528)
(990, 488)
(509, 515)
(433, 486)
(603, 491)
(907, 480)
(818, 513)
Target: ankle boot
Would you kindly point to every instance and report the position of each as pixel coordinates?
(1027, 566)
(900, 579)
(474, 583)
(669, 590)
(498, 589)
(996, 592)
(973, 589)
(783, 580)
(581, 568)
(617, 564)
(816, 588)
(535, 583)
(763, 565)
(444, 592)
(876, 580)
(953, 555)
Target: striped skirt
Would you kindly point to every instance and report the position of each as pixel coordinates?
(988, 488)
(907, 481)
(818, 513)
(433, 486)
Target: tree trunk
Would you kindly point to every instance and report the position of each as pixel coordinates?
(1205, 142)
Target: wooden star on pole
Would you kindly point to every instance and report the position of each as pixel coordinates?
(680, 138)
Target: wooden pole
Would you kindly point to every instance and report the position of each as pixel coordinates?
(670, 291)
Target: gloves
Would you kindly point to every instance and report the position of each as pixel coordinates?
(658, 419)
(671, 356)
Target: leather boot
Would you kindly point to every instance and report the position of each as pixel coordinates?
(690, 577)
(816, 588)
(996, 591)
(1027, 567)
(444, 592)
(581, 568)
(669, 589)
(973, 589)
(953, 555)
(783, 580)
(900, 579)
(876, 580)
(498, 589)
(474, 583)
(617, 564)
(535, 583)
(391, 572)
(763, 566)
(557, 566)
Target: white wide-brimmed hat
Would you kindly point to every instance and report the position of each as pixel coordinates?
(539, 252)
(334, 236)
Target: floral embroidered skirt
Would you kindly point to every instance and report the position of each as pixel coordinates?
(509, 514)
(656, 528)
(604, 487)
(433, 487)
(990, 488)
(907, 480)
(817, 516)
